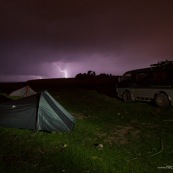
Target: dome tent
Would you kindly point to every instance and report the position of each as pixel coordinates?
(38, 112)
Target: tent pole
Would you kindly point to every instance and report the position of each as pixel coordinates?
(36, 120)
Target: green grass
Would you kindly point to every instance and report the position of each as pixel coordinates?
(136, 137)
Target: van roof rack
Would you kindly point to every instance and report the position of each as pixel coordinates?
(162, 64)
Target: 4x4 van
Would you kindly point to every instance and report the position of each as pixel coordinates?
(148, 84)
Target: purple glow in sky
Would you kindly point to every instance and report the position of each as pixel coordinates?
(110, 36)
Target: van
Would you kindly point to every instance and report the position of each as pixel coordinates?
(148, 84)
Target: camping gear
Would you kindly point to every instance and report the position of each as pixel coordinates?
(23, 92)
(38, 112)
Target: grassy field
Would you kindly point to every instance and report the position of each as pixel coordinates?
(109, 137)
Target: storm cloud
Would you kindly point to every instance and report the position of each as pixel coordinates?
(105, 36)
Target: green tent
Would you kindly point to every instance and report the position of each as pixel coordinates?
(38, 112)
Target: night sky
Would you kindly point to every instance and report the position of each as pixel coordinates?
(110, 36)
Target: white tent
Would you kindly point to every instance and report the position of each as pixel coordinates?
(23, 92)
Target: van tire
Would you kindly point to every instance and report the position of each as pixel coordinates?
(162, 100)
(127, 96)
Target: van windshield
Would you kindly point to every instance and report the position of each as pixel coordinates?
(126, 76)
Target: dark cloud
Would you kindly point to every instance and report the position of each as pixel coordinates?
(108, 36)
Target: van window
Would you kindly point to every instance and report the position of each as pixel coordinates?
(127, 76)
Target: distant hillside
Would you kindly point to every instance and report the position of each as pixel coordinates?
(104, 85)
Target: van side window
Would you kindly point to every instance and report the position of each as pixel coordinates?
(141, 76)
(160, 76)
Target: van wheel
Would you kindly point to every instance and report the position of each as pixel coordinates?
(127, 96)
(162, 100)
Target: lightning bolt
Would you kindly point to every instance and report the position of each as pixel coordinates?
(63, 71)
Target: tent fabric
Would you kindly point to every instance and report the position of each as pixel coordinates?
(37, 112)
(23, 92)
